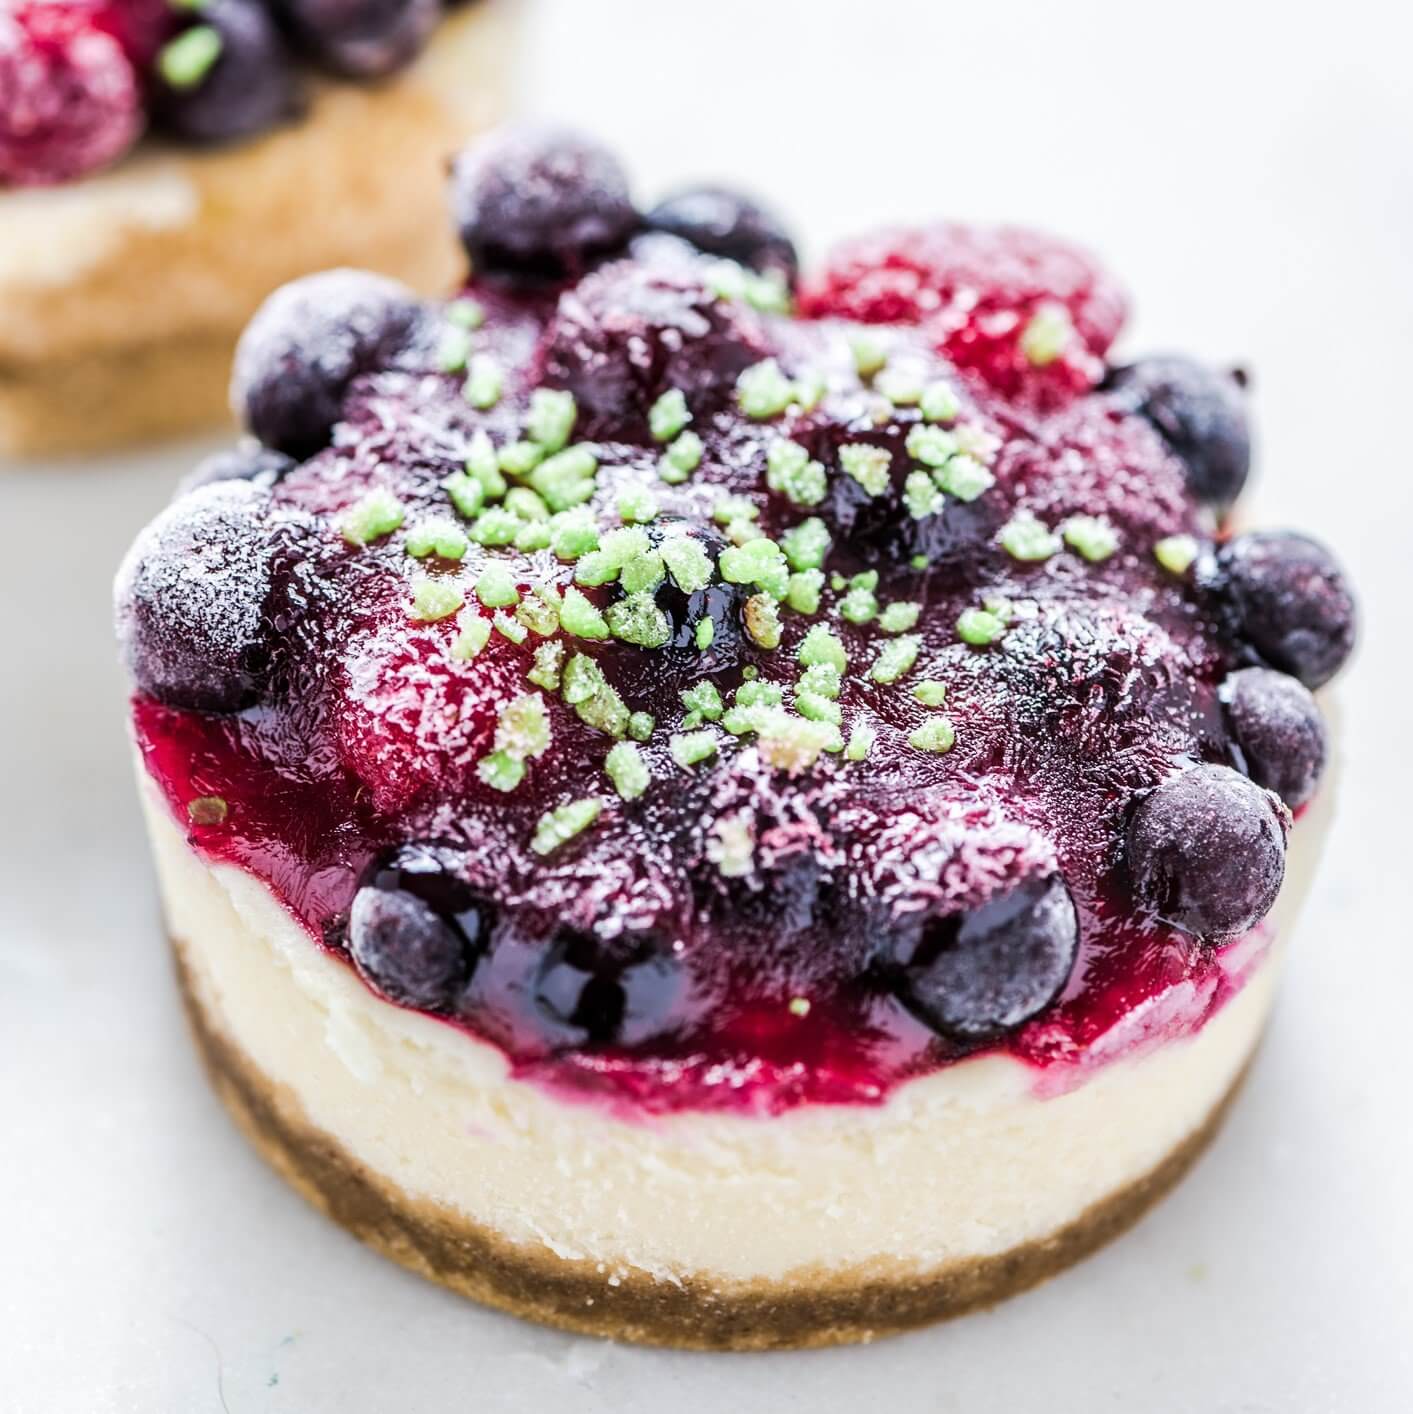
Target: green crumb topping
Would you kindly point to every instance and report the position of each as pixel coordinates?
(1092, 537)
(637, 505)
(791, 473)
(580, 618)
(525, 503)
(861, 741)
(762, 621)
(372, 516)
(859, 605)
(617, 549)
(921, 496)
(538, 615)
(918, 562)
(794, 744)
(483, 465)
(732, 846)
(806, 544)
(930, 692)
(939, 403)
(976, 441)
(895, 658)
(625, 767)
(869, 355)
(566, 479)
(501, 771)
(551, 418)
(901, 384)
(999, 605)
(822, 646)
(703, 703)
(763, 391)
(687, 562)
(823, 678)
(437, 536)
(495, 587)
(184, 61)
(688, 748)
(1047, 335)
(453, 349)
(932, 446)
(520, 458)
(899, 617)
(466, 493)
(561, 824)
(582, 679)
(727, 509)
(207, 810)
(484, 382)
(640, 726)
(704, 635)
(802, 592)
(465, 313)
(980, 627)
(868, 465)
(523, 728)
(756, 692)
(474, 635)
(682, 457)
(509, 628)
(669, 415)
(936, 735)
(548, 666)
(810, 388)
(595, 703)
(1176, 553)
(574, 534)
(760, 562)
(816, 707)
(965, 477)
(496, 526)
(434, 599)
(1023, 537)
(637, 619)
(533, 535)
(641, 573)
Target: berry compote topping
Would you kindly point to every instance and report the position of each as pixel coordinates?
(716, 707)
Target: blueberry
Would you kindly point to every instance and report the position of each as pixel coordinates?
(1289, 601)
(191, 599)
(248, 461)
(1278, 728)
(1200, 413)
(362, 38)
(623, 992)
(725, 223)
(986, 971)
(1206, 851)
(540, 203)
(306, 344)
(240, 82)
(416, 928)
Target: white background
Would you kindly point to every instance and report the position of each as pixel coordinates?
(1246, 168)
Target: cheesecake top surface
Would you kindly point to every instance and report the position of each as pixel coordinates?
(725, 688)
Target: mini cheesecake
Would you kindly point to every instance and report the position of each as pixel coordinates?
(713, 806)
(125, 289)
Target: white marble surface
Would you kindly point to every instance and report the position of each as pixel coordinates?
(1247, 168)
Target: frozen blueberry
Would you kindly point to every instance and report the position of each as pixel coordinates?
(540, 203)
(623, 992)
(983, 972)
(417, 928)
(723, 222)
(1200, 413)
(1277, 725)
(191, 597)
(228, 76)
(248, 461)
(306, 344)
(1290, 601)
(362, 38)
(1206, 851)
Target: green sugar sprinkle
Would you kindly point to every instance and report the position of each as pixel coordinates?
(434, 599)
(869, 355)
(687, 562)
(466, 493)
(731, 508)
(937, 735)
(806, 544)
(625, 767)
(803, 590)
(868, 465)
(979, 627)
(921, 495)
(901, 384)
(579, 618)
(496, 526)
(582, 679)
(791, 473)
(895, 658)
(976, 441)
(899, 617)
(538, 615)
(465, 313)
(688, 748)
(930, 692)
(964, 477)
(918, 562)
(931, 446)
(561, 824)
(453, 349)
(669, 415)
(495, 587)
(523, 727)
(509, 628)
(500, 771)
(1025, 538)
(762, 621)
(642, 572)
(939, 403)
(636, 504)
(760, 561)
(437, 536)
(475, 634)
(372, 516)
(763, 391)
(822, 678)
(574, 534)
(822, 646)
(640, 726)
(526, 503)
(482, 464)
(704, 635)
(566, 479)
(817, 707)
(548, 667)
(682, 457)
(810, 388)
(861, 741)
(186, 60)
(859, 605)
(550, 419)
(520, 458)
(1176, 553)
(484, 382)
(703, 703)
(1093, 538)
(637, 619)
(1047, 335)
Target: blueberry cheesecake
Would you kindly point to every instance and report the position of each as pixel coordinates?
(715, 806)
(165, 164)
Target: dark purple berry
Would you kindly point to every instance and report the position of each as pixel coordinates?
(540, 203)
(1289, 601)
(229, 76)
(306, 344)
(1206, 851)
(1200, 413)
(980, 973)
(416, 929)
(1278, 728)
(191, 599)
(248, 461)
(362, 38)
(725, 223)
(624, 992)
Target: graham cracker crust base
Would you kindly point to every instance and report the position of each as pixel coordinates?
(831, 1308)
